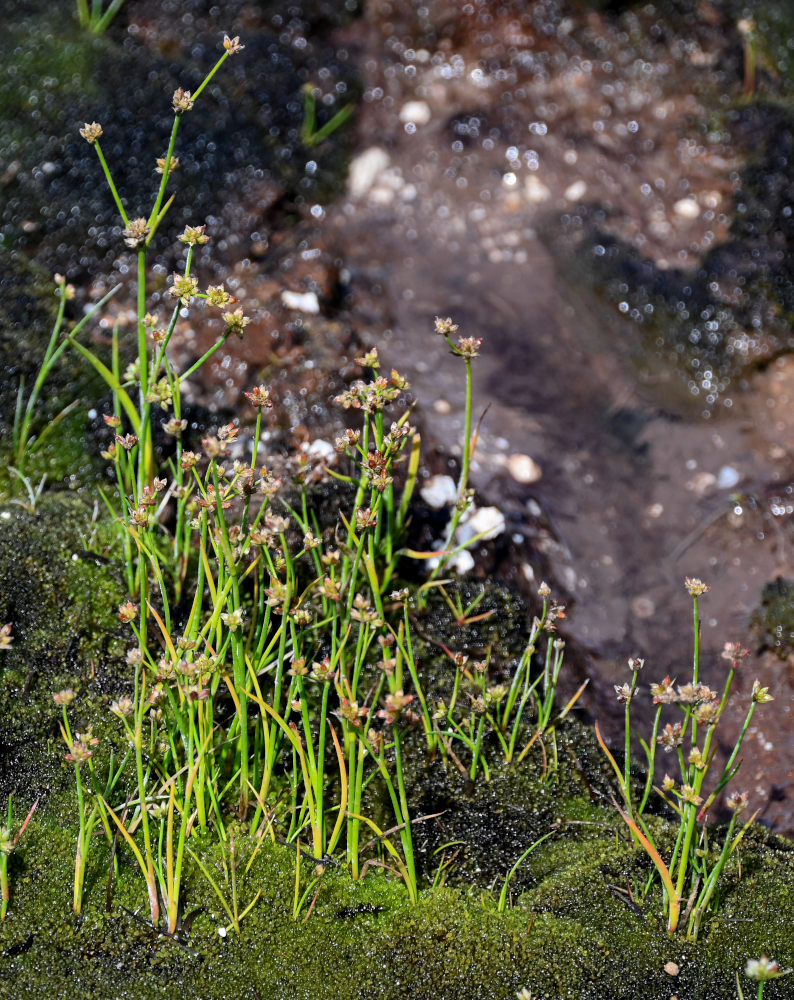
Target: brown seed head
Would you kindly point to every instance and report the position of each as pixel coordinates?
(91, 132)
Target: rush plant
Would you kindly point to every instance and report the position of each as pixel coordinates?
(690, 876)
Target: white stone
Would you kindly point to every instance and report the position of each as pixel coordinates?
(365, 170)
(687, 208)
(727, 477)
(535, 190)
(523, 468)
(488, 522)
(439, 491)
(417, 112)
(306, 302)
(321, 449)
(576, 191)
(463, 562)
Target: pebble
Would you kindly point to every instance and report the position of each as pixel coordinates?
(365, 170)
(306, 302)
(322, 450)
(439, 491)
(687, 208)
(417, 112)
(576, 191)
(535, 190)
(727, 477)
(524, 469)
(701, 483)
(486, 521)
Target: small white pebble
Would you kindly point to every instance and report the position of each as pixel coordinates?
(535, 191)
(417, 112)
(365, 169)
(306, 302)
(576, 191)
(439, 491)
(687, 208)
(486, 521)
(727, 477)
(524, 469)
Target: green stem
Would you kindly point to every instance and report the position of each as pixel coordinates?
(111, 185)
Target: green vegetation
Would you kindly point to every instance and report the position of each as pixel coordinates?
(297, 767)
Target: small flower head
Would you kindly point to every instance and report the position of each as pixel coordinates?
(624, 693)
(79, 753)
(365, 518)
(161, 160)
(182, 100)
(175, 427)
(670, 737)
(135, 233)
(689, 795)
(445, 327)
(369, 360)
(707, 713)
(763, 968)
(695, 587)
(91, 132)
(761, 695)
(184, 287)
(636, 664)
(64, 698)
(218, 296)
(236, 322)
(395, 703)
(232, 619)
(664, 693)
(259, 397)
(62, 289)
(734, 653)
(127, 612)
(161, 393)
(738, 802)
(194, 236)
(322, 670)
(232, 45)
(352, 712)
(468, 347)
(5, 637)
(127, 441)
(123, 708)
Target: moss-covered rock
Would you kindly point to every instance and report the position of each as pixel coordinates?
(575, 933)
(59, 588)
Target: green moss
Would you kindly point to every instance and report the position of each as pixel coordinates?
(569, 936)
(773, 620)
(58, 589)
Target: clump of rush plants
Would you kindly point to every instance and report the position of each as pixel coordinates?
(274, 673)
(690, 877)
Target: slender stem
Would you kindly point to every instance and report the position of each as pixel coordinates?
(111, 185)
